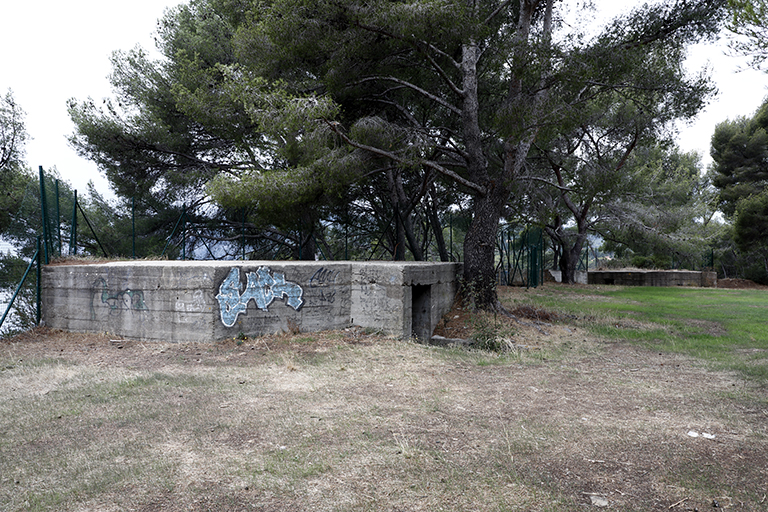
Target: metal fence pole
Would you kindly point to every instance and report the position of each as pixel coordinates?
(39, 284)
(44, 214)
(450, 234)
(174, 229)
(85, 217)
(73, 234)
(58, 217)
(184, 233)
(35, 260)
(133, 226)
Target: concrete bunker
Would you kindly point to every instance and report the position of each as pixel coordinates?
(639, 277)
(206, 301)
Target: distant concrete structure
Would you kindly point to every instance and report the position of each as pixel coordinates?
(556, 276)
(653, 278)
(205, 301)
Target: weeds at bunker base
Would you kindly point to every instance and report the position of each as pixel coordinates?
(213, 300)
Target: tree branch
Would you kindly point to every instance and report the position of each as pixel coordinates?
(542, 180)
(418, 46)
(395, 158)
(413, 87)
(503, 5)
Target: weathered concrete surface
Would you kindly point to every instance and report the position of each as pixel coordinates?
(556, 276)
(212, 300)
(653, 278)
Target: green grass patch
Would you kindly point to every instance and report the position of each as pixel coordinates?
(726, 327)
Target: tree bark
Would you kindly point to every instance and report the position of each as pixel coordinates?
(479, 284)
(437, 228)
(398, 253)
(569, 261)
(307, 247)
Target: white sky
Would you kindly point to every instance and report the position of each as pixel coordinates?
(53, 50)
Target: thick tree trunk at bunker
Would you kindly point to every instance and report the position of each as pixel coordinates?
(478, 285)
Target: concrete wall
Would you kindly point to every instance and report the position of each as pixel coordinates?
(212, 300)
(653, 278)
(556, 276)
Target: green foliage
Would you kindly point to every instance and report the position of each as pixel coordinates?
(739, 153)
(751, 223)
(13, 172)
(740, 174)
(294, 109)
(665, 219)
(13, 135)
(749, 234)
(749, 21)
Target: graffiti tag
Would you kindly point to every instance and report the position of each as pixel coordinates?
(323, 277)
(125, 300)
(263, 287)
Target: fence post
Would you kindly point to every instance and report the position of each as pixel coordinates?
(533, 266)
(133, 226)
(39, 284)
(35, 260)
(184, 233)
(510, 249)
(346, 235)
(58, 217)
(73, 235)
(450, 234)
(44, 213)
(542, 250)
(85, 217)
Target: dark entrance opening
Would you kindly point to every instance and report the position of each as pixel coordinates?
(421, 316)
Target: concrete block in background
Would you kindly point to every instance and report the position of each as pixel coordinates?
(653, 278)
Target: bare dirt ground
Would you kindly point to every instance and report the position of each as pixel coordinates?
(568, 422)
(739, 283)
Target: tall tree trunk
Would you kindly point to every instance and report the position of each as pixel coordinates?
(568, 264)
(307, 246)
(480, 249)
(410, 237)
(479, 284)
(556, 251)
(569, 261)
(437, 228)
(398, 253)
(480, 242)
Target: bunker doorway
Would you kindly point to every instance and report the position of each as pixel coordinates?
(421, 316)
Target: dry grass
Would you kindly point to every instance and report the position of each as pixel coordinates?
(353, 421)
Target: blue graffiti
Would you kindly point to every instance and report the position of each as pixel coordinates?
(125, 300)
(263, 287)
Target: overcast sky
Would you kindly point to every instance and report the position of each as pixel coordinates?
(53, 50)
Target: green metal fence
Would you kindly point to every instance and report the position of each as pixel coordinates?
(520, 256)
